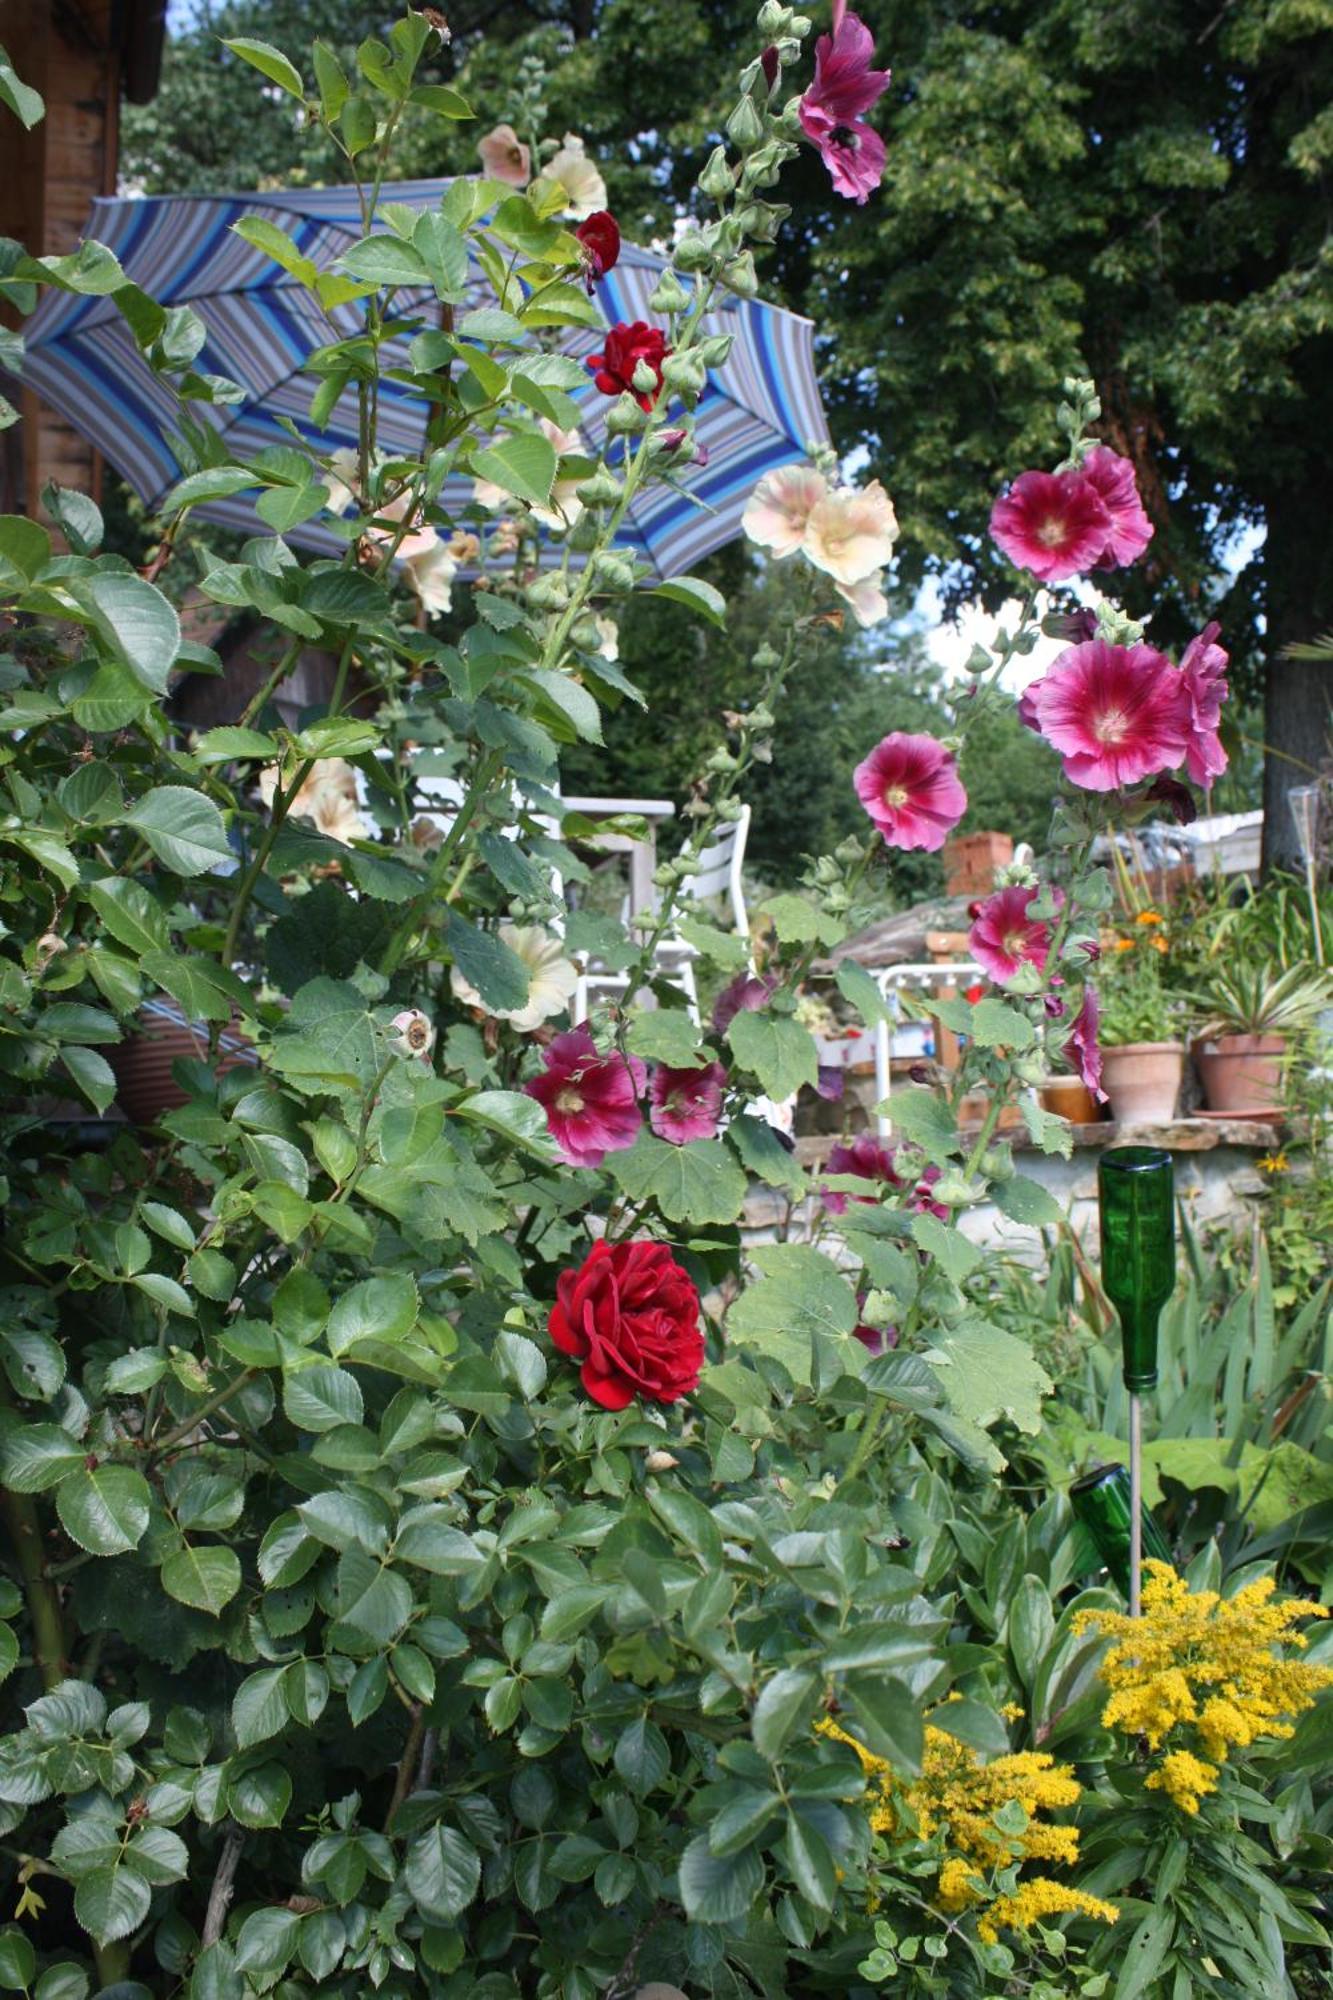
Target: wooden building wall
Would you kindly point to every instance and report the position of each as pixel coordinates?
(79, 54)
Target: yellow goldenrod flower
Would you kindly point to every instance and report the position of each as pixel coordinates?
(957, 1796)
(1038, 1898)
(1205, 1664)
(1272, 1163)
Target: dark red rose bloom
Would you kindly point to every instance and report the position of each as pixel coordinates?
(600, 238)
(626, 346)
(631, 1316)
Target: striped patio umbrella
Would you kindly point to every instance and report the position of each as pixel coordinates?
(760, 410)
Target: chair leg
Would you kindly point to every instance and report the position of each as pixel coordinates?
(690, 990)
(883, 1078)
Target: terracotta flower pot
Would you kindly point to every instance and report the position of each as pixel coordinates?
(1069, 1097)
(1241, 1073)
(1142, 1080)
(145, 1086)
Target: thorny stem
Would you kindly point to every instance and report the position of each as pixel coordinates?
(206, 1409)
(407, 1765)
(223, 1888)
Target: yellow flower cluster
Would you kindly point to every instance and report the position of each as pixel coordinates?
(957, 1797)
(1204, 1663)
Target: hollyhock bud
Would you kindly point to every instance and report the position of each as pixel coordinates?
(414, 1034)
(774, 19)
(770, 64)
(669, 295)
(745, 128)
(716, 181)
(741, 276)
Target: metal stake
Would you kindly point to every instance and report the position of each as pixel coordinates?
(1135, 1504)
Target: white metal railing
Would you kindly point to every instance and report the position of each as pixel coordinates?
(893, 980)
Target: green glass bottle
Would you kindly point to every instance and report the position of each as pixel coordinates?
(1101, 1503)
(1136, 1191)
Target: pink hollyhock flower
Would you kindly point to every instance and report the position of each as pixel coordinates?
(1083, 1046)
(1115, 713)
(685, 1102)
(1004, 937)
(777, 512)
(591, 1101)
(869, 1161)
(747, 993)
(505, 157)
(1052, 523)
(1131, 530)
(1203, 670)
(910, 787)
(833, 108)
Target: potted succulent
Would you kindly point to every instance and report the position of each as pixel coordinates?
(1246, 1015)
(1143, 1057)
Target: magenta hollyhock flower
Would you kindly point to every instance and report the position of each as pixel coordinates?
(875, 1339)
(684, 1103)
(1052, 523)
(910, 787)
(1203, 669)
(1115, 713)
(833, 108)
(591, 1101)
(1083, 1045)
(748, 993)
(923, 1202)
(1176, 797)
(869, 1161)
(1131, 530)
(1004, 937)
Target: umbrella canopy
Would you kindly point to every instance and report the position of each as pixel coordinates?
(760, 410)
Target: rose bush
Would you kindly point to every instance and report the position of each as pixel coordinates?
(434, 1538)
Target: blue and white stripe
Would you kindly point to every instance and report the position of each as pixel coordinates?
(759, 411)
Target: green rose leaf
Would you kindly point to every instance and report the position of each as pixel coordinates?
(182, 827)
(318, 1399)
(205, 1578)
(697, 595)
(259, 1707)
(718, 1888)
(443, 1874)
(135, 622)
(523, 465)
(383, 1308)
(104, 1508)
(270, 62)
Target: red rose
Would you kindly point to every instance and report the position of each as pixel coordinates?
(625, 347)
(600, 238)
(631, 1316)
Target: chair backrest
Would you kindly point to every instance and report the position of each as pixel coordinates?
(720, 864)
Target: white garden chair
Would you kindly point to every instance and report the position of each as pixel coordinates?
(718, 876)
(892, 980)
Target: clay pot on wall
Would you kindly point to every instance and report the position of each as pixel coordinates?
(1069, 1097)
(1142, 1080)
(145, 1086)
(1242, 1073)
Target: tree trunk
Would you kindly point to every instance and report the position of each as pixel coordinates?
(1298, 694)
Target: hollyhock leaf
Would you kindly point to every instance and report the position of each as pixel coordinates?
(763, 1154)
(988, 1374)
(523, 465)
(666, 1035)
(798, 921)
(926, 1120)
(857, 987)
(780, 1052)
(1052, 1133)
(1028, 1202)
(697, 595)
(948, 1247)
(722, 948)
(800, 1294)
(697, 1182)
(487, 964)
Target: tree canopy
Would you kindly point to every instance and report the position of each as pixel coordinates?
(1146, 191)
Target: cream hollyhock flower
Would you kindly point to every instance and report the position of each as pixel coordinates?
(463, 546)
(851, 533)
(506, 538)
(867, 599)
(585, 190)
(565, 505)
(778, 511)
(504, 156)
(340, 479)
(608, 636)
(430, 573)
(552, 978)
(327, 798)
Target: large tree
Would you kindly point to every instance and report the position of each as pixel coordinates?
(1145, 190)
